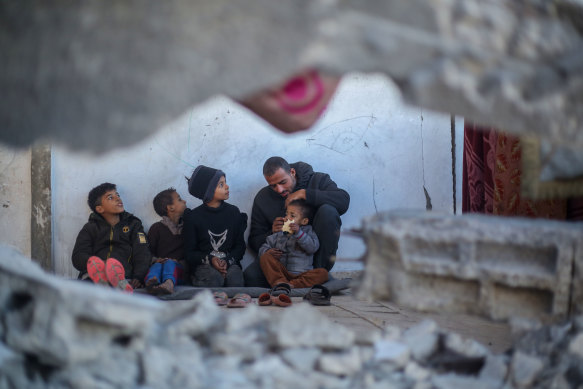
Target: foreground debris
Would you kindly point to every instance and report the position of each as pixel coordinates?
(67, 334)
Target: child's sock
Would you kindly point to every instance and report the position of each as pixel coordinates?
(96, 270)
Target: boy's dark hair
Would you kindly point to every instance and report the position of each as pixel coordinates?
(307, 209)
(163, 200)
(95, 194)
(273, 164)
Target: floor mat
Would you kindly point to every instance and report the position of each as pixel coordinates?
(182, 292)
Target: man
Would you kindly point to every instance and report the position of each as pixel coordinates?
(287, 183)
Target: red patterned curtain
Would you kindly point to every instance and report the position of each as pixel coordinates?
(491, 179)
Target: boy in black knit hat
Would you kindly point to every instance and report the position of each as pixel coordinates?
(213, 232)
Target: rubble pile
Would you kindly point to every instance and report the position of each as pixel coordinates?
(67, 334)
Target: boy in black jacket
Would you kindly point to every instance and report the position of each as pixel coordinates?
(114, 235)
(213, 232)
(288, 182)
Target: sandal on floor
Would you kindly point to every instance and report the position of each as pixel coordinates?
(264, 299)
(318, 295)
(281, 288)
(283, 300)
(240, 300)
(221, 298)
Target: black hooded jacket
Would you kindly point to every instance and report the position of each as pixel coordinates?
(267, 205)
(125, 242)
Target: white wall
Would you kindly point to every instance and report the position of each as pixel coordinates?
(15, 206)
(379, 150)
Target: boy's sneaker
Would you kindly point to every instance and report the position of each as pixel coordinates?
(116, 275)
(96, 270)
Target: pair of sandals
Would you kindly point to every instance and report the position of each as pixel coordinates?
(240, 300)
(278, 295)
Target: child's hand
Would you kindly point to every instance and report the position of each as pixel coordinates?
(275, 253)
(135, 283)
(277, 224)
(294, 228)
(161, 260)
(220, 265)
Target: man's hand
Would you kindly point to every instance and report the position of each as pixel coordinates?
(220, 265)
(277, 225)
(297, 195)
(275, 253)
(161, 260)
(135, 283)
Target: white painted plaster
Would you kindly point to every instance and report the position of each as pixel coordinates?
(15, 206)
(372, 145)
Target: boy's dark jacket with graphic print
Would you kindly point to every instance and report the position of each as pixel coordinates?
(126, 242)
(197, 241)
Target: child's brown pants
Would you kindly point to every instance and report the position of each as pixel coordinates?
(276, 273)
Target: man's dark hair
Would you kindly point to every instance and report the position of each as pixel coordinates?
(307, 209)
(95, 194)
(163, 200)
(273, 164)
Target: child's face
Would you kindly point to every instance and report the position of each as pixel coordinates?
(222, 191)
(110, 203)
(178, 205)
(294, 212)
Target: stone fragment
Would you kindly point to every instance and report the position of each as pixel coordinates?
(422, 339)
(467, 347)
(344, 363)
(303, 359)
(576, 346)
(314, 330)
(524, 369)
(495, 369)
(453, 381)
(415, 372)
(396, 353)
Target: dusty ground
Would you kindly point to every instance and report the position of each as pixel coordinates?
(365, 316)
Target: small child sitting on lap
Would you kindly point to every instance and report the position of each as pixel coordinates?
(167, 244)
(213, 232)
(287, 256)
(114, 235)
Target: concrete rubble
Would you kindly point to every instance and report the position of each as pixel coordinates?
(58, 333)
(477, 264)
(95, 76)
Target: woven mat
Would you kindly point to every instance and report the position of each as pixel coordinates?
(188, 292)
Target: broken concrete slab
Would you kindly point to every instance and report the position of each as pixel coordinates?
(492, 266)
(94, 76)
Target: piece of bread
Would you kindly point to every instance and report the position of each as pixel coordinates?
(286, 227)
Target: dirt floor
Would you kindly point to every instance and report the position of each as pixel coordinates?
(365, 316)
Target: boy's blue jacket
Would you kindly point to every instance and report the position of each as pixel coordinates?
(126, 242)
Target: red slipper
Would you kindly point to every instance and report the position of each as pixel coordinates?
(282, 300)
(116, 275)
(96, 270)
(264, 299)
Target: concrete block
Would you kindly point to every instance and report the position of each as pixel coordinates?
(493, 266)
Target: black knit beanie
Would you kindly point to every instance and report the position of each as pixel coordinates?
(203, 182)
